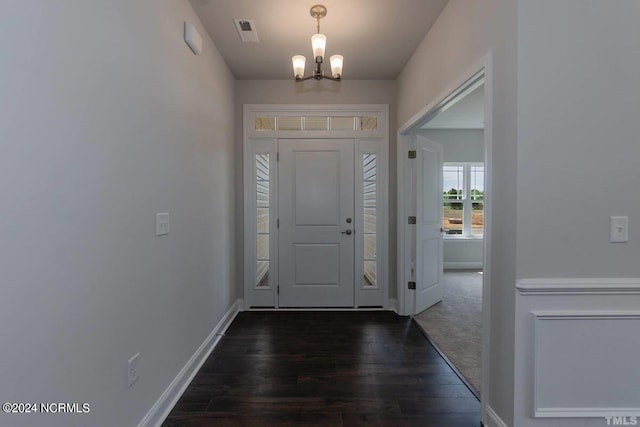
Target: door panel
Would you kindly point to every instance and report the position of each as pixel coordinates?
(429, 249)
(317, 197)
(316, 182)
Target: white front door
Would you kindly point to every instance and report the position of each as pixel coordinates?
(429, 249)
(316, 234)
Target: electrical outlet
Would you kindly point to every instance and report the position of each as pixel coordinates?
(132, 370)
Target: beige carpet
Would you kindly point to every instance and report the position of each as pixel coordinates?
(455, 323)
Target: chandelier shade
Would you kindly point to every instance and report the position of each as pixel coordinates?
(318, 44)
(298, 66)
(336, 66)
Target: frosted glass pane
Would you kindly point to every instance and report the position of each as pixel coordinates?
(289, 123)
(262, 249)
(368, 123)
(370, 273)
(262, 219)
(370, 201)
(342, 123)
(316, 123)
(265, 123)
(370, 246)
(262, 274)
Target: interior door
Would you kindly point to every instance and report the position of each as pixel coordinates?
(429, 248)
(316, 234)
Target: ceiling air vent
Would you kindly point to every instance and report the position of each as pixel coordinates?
(247, 30)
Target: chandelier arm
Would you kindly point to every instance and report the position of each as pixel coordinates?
(304, 78)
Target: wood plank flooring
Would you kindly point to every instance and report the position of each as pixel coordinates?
(325, 369)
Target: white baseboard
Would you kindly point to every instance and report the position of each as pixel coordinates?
(462, 265)
(393, 305)
(169, 398)
(493, 420)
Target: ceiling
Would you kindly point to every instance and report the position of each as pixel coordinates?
(467, 113)
(376, 37)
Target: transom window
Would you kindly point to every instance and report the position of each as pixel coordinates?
(316, 123)
(463, 199)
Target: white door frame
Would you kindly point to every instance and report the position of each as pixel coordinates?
(260, 141)
(406, 296)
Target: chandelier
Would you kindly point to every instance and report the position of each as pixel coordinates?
(318, 43)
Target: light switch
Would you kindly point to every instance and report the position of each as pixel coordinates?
(619, 229)
(162, 224)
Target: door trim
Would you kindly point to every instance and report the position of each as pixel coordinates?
(266, 141)
(406, 296)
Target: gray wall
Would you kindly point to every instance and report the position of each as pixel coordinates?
(322, 92)
(579, 154)
(459, 145)
(106, 118)
(464, 33)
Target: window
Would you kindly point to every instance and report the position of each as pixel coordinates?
(370, 203)
(316, 123)
(262, 219)
(463, 199)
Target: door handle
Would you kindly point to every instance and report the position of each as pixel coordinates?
(347, 232)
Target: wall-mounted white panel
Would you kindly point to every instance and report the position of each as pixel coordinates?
(576, 351)
(585, 363)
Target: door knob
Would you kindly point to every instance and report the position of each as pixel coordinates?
(347, 232)
(348, 220)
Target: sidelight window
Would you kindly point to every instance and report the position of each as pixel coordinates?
(262, 219)
(370, 203)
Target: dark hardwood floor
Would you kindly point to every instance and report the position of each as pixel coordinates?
(325, 369)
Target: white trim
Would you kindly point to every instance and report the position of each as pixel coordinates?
(493, 420)
(462, 265)
(328, 309)
(579, 286)
(458, 238)
(165, 403)
(580, 412)
(393, 305)
(405, 296)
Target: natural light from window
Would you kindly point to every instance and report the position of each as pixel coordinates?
(463, 199)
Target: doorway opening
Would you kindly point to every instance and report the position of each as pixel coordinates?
(444, 246)
(454, 324)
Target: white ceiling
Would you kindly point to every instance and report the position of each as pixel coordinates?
(467, 113)
(376, 37)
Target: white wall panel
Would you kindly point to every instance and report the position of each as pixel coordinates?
(577, 347)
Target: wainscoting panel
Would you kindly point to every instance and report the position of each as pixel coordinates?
(578, 356)
(577, 351)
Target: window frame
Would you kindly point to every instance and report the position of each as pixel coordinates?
(466, 201)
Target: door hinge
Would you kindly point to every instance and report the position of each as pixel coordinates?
(412, 220)
(278, 156)
(278, 223)
(413, 154)
(411, 285)
(278, 289)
